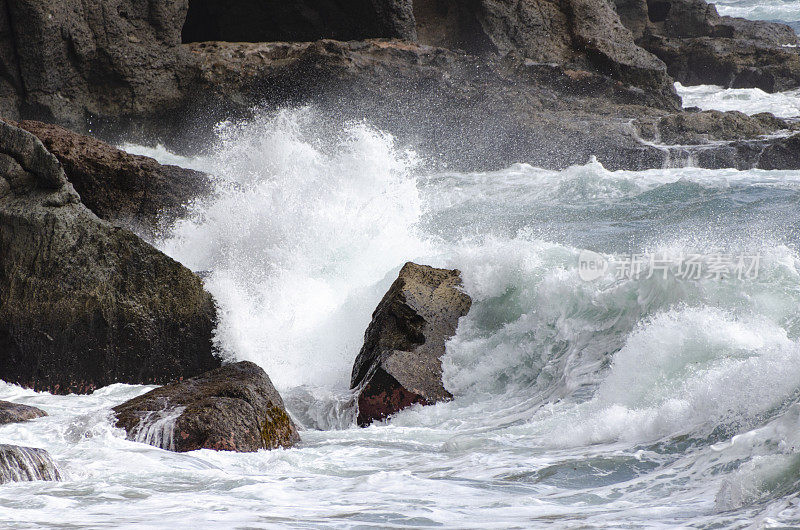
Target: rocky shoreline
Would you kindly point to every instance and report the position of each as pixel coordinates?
(550, 83)
(86, 301)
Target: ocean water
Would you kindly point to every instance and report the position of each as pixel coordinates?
(648, 400)
(786, 11)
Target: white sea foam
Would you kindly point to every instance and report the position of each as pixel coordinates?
(747, 100)
(157, 428)
(774, 10)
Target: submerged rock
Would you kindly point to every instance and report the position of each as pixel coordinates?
(400, 362)
(23, 464)
(16, 413)
(84, 304)
(232, 408)
(134, 191)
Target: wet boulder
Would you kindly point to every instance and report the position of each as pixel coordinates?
(83, 303)
(232, 408)
(782, 153)
(400, 362)
(133, 191)
(16, 413)
(24, 464)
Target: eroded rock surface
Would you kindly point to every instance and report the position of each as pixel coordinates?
(701, 47)
(134, 191)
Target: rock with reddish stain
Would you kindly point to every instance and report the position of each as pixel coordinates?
(400, 362)
(233, 408)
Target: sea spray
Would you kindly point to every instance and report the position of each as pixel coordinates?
(299, 231)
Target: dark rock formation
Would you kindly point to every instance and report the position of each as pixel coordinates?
(729, 63)
(781, 154)
(466, 111)
(400, 362)
(23, 464)
(298, 20)
(16, 413)
(121, 71)
(777, 152)
(701, 47)
(577, 34)
(585, 33)
(693, 128)
(84, 304)
(75, 63)
(134, 191)
(232, 408)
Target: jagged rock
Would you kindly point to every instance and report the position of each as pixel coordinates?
(123, 72)
(232, 408)
(134, 191)
(728, 62)
(546, 82)
(16, 413)
(400, 362)
(465, 111)
(84, 304)
(578, 34)
(701, 47)
(24, 464)
(76, 63)
(770, 152)
(298, 20)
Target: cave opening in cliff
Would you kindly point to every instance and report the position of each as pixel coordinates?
(277, 20)
(450, 24)
(657, 11)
